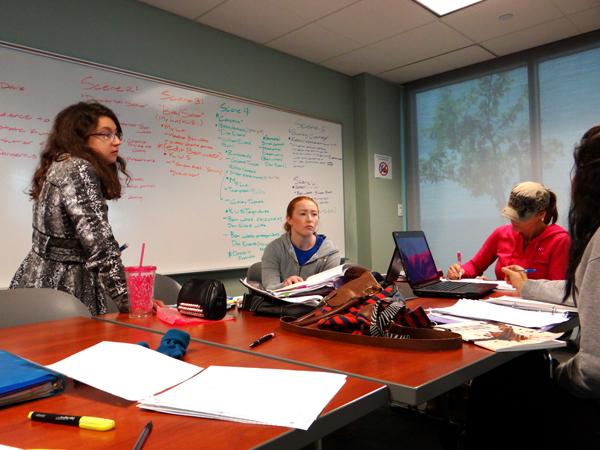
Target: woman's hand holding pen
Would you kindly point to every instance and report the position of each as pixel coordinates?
(455, 272)
(515, 275)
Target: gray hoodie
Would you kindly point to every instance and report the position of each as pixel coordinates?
(581, 374)
(279, 261)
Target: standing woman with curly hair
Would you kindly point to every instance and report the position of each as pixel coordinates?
(73, 247)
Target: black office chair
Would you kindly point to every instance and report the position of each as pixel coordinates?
(32, 305)
(166, 289)
(254, 272)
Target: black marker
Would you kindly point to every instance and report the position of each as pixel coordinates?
(123, 247)
(262, 340)
(143, 436)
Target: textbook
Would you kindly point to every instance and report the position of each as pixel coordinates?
(22, 380)
(500, 337)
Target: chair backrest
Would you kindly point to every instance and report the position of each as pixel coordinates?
(32, 305)
(166, 289)
(254, 272)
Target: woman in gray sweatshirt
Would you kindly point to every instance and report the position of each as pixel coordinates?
(300, 251)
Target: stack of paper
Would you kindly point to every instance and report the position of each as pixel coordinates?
(314, 282)
(476, 309)
(531, 305)
(502, 338)
(309, 291)
(288, 398)
(255, 287)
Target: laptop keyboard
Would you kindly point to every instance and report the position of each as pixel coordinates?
(445, 286)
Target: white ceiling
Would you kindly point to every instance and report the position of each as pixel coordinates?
(397, 40)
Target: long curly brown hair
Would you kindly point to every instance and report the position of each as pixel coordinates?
(70, 131)
(585, 201)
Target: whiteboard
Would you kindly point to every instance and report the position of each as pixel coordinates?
(211, 174)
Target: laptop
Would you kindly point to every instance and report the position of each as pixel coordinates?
(421, 271)
(394, 269)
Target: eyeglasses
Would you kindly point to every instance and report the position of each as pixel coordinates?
(108, 136)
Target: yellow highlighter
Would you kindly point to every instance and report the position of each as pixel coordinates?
(87, 422)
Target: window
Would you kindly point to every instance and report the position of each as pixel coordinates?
(473, 146)
(569, 106)
(472, 140)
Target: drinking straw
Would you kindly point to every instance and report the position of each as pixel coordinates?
(142, 255)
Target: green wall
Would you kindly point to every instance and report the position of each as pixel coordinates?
(137, 37)
(377, 131)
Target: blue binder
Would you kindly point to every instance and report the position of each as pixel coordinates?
(22, 380)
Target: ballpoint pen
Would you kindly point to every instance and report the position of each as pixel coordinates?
(262, 339)
(459, 259)
(143, 436)
(526, 270)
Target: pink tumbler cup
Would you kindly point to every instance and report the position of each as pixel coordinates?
(140, 283)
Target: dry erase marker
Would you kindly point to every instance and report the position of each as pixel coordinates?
(262, 339)
(87, 422)
(123, 247)
(459, 258)
(526, 270)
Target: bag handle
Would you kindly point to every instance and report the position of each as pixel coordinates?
(347, 295)
(408, 338)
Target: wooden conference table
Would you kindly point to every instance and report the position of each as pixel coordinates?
(412, 376)
(48, 342)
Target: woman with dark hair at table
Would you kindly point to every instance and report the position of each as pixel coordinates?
(562, 410)
(73, 248)
(532, 239)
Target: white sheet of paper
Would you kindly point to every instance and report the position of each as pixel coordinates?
(475, 309)
(289, 398)
(126, 370)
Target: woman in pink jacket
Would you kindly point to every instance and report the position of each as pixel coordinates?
(532, 240)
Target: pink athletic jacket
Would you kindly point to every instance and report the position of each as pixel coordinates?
(548, 253)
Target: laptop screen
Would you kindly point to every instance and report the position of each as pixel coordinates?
(394, 268)
(416, 257)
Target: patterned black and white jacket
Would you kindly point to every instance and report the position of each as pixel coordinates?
(73, 247)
